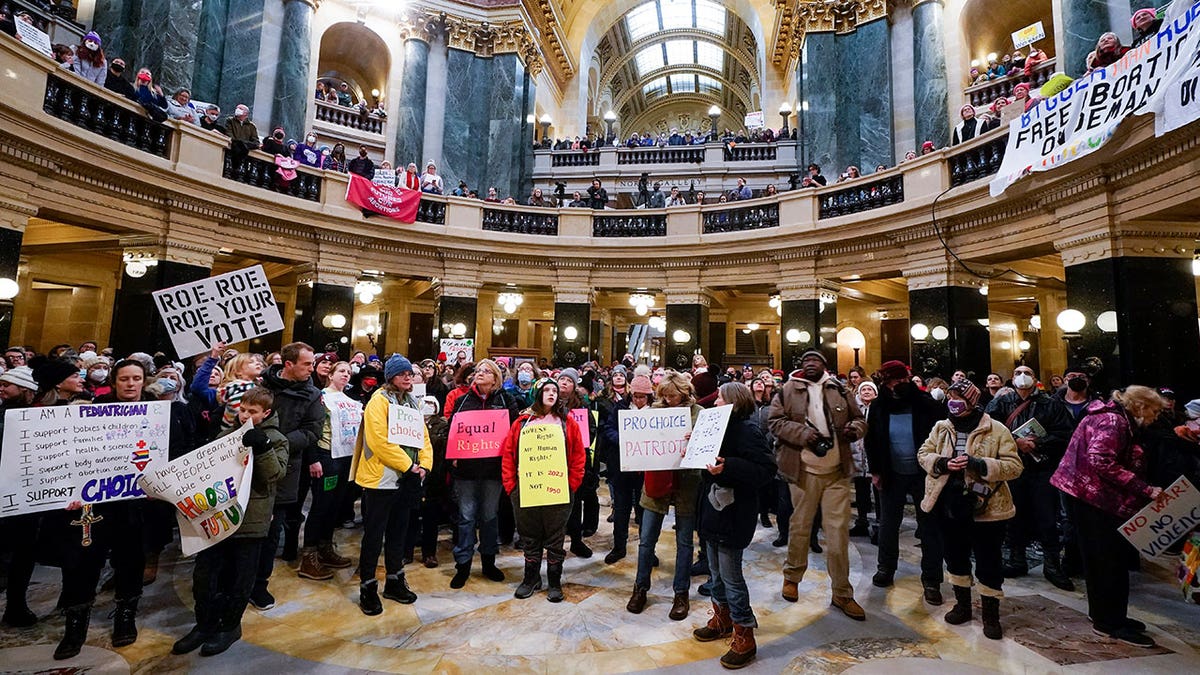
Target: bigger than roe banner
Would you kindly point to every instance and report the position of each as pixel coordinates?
(1159, 76)
(86, 453)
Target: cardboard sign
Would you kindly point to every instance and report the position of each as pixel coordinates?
(229, 308)
(652, 439)
(1028, 35)
(406, 426)
(418, 391)
(580, 415)
(345, 417)
(475, 434)
(87, 453)
(34, 37)
(705, 443)
(542, 466)
(1159, 525)
(754, 120)
(451, 347)
(385, 177)
(210, 488)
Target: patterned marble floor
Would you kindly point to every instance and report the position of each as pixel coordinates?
(317, 627)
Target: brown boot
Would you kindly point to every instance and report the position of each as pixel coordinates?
(850, 608)
(791, 591)
(150, 571)
(637, 602)
(680, 607)
(311, 567)
(742, 650)
(329, 557)
(720, 625)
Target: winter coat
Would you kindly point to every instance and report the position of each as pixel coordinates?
(378, 463)
(269, 469)
(302, 420)
(87, 71)
(176, 111)
(487, 468)
(1103, 466)
(788, 422)
(1049, 412)
(452, 400)
(205, 408)
(510, 456)
(683, 491)
(749, 469)
(989, 441)
(119, 85)
(926, 412)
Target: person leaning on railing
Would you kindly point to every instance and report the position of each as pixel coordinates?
(242, 133)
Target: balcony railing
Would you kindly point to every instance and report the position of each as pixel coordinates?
(753, 152)
(632, 225)
(985, 93)
(260, 173)
(575, 158)
(672, 154)
(860, 195)
(520, 222)
(351, 118)
(977, 161)
(431, 212)
(123, 122)
(742, 218)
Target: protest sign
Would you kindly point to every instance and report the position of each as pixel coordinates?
(87, 453)
(542, 466)
(399, 203)
(1161, 524)
(230, 307)
(705, 443)
(1028, 35)
(580, 415)
(406, 426)
(210, 488)
(345, 417)
(418, 390)
(653, 439)
(384, 177)
(475, 434)
(454, 347)
(754, 120)
(34, 37)
(1150, 78)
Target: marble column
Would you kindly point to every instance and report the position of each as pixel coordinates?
(868, 79)
(816, 85)
(453, 310)
(1084, 21)
(293, 90)
(690, 318)
(318, 308)
(410, 116)
(210, 50)
(930, 85)
(114, 20)
(948, 303)
(572, 331)
(170, 29)
(815, 324)
(239, 62)
(506, 119)
(467, 121)
(524, 140)
(10, 258)
(136, 324)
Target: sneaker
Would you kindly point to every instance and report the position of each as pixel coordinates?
(261, 599)
(1127, 635)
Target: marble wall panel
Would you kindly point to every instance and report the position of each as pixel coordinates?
(930, 85)
(210, 50)
(410, 116)
(292, 87)
(466, 126)
(816, 84)
(873, 85)
(239, 64)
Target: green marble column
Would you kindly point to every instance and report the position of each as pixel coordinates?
(292, 87)
(410, 116)
(1085, 21)
(930, 89)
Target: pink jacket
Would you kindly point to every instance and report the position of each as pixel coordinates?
(1103, 467)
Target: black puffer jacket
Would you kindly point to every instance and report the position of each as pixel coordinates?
(925, 411)
(302, 420)
(749, 467)
(489, 467)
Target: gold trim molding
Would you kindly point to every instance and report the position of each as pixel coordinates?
(793, 20)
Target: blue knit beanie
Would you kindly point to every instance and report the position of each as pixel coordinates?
(396, 365)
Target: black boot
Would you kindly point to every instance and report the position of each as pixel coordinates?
(291, 542)
(461, 572)
(221, 640)
(396, 588)
(554, 580)
(991, 617)
(489, 568)
(189, 643)
(124, 631)
(814, 544)
(961, 612)
(368, 598)
(1053, 571)
(17, 614)
(532, 580)
(75, 633)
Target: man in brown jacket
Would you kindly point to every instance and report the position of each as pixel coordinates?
(814, 421)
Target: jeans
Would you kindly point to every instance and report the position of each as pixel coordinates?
(626, 492)
(966, 537)
(897, 489)
(652, 523)
(386, 519)
(478, 505)
(728, 584)
(222, 579)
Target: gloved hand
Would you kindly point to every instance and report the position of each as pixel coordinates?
(257, 441)
(977, 466)
(942, 466)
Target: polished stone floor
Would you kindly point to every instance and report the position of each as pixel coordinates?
(317, 627)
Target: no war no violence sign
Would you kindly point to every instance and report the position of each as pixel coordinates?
(230, 307)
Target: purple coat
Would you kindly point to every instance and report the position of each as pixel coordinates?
(1103, 467)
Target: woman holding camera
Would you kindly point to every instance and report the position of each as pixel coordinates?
(968, 458)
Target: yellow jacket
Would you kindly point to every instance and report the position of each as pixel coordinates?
(377, 463)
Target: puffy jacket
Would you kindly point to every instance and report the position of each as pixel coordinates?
(926, 412)
(510, 456)
(377, 463)
(302, 420)
(989, 441)
(749, 468)
(1103, 466)
(788, 422)
(1049, 412)
(489, 467)
(269, 468)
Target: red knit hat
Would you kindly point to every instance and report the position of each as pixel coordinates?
(894, 369)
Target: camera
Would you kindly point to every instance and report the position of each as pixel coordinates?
(822, 446)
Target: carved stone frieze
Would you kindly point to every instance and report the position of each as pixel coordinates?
(794, 19)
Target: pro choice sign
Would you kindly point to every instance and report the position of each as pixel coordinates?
(653, 439)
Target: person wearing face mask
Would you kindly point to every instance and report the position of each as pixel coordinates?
(115, 80)
(1041, 446)
(90, 61)
(211, 119)
(520, 387)
(307, 153)
(362, 165)
(274, 144)
(968, 458)
(242, 133)
(1076, 395)
(937, 389)
(1104, 477)
(97, 376)
(900, 420)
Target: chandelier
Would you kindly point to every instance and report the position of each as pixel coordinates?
(510, 301)
(641, 302)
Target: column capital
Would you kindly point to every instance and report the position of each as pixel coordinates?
(330, 275)
(14, 214)
(420, 25)
(1140, 240)
(943, 275)
(454, 289)
(809, 289)
(149, 247)
(581, 296)
(688, 297)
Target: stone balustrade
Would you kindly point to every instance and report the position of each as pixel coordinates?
(635, 223)
(82, 103)
(755, 216)
(861, 194)
(984, 93)
(350, 118)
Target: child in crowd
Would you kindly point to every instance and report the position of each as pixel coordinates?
(241, 375)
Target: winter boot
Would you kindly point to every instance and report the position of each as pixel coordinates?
(991, 617)
(311, 567)
(489, 568)
(461, 572)
(17, 613)
(720, 625)
(742, 650)
(554, 581)
(124, 631)
(368, 598)
(1053, 571)
(222, 640)
(532, 580)
(961, 612)
(75, 632)
(396, 588)
(329, 557)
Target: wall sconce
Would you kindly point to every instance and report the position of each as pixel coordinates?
(367, 291)
(137, 264)
(939, 333)
(641, 302)
(1107, 321)
(510, 301)
(334, 321)
(1071, 321)
(8, 288)
(919, 332)
(681, 336)
(570, 333)
(793, 336)
(458, 330)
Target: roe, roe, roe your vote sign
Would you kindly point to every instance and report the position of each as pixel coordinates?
(229, 308)
(652, 439)
(88, 453)
(477, 433)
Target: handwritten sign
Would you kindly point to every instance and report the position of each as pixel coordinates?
(210, 488)
(754, 120)
(34, 37)
(87, 453)
(705, 443)
(1028, 35)
(1159, 525)
(406, 426)
(542, 466)
(229, 308)
(345, 417)
(384, 177)
(580, 415)
(418, 390)
(653, 439)
(451, 347)
(475, 434)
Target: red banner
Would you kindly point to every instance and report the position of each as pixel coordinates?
(394, 202)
